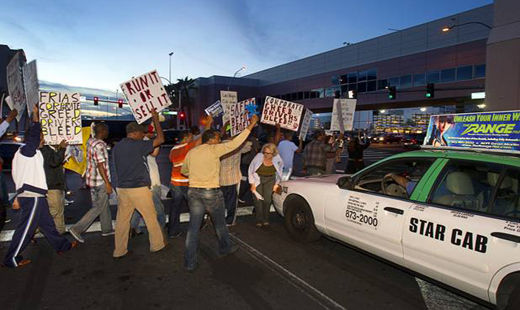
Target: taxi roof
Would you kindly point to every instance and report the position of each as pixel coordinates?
(502, 158)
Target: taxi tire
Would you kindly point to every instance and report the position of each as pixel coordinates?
(508, 296)
(299, 221)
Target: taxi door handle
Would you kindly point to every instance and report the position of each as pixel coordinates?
(394, 210)
(505, 236)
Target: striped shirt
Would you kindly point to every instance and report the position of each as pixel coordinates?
(96, 153)
(230, 173)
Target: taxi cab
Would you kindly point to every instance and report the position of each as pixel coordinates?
(452, 216)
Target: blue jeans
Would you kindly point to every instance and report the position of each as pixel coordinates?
(159, 209)
(179, 194)
(230, 193)
(202, 200)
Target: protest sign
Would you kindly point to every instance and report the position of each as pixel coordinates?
(343, 113)
(144, 93)
(30, 79)
(306, 124)
(494, 131)
(238, 115)
(215, 109)
(285, 113)
(227, 98)
(60, 117)
(15, 85)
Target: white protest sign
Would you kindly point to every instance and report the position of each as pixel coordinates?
(285, 113)
(60, 117)
(306, 124)
(343, 111)
(30, 79)
(215, 109)
(227, 98)
(15, 85)
(238, 115)
(145, 93)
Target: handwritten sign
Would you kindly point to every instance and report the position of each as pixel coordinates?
(30, 79)
(60, 117)
(227, 98)
(306, 124)
(215, 109)
(285, 113)
(144, 93)
(343, 112)
(15, 85)
(238, 115)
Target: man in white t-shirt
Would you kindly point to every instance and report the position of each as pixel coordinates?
(286, 149)
(155, 187)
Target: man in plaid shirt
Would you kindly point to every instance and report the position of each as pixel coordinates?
(315, 154)
(98, 180)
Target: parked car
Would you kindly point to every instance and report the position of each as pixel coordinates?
(389, 138)
(7, 151)
(171, 136)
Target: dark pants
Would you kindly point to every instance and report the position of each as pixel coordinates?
(200, 201)
(262, 207)
(230, 200)
(354, 165)
(179, 195)
(34, 212)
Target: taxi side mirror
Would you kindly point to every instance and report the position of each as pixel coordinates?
(345, 182)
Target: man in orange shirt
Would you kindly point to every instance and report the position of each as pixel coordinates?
(178, 182)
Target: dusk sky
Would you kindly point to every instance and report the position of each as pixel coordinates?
(103, 43)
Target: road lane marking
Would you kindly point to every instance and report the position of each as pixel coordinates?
(309, 290)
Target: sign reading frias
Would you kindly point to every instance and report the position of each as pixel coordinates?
(285, 113)
(60, 117)
(238, 115)
(144, 93)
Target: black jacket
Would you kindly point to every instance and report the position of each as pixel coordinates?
(53, 164)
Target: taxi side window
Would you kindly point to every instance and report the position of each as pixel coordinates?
(396, 178)
(506, 200)
(467, 185)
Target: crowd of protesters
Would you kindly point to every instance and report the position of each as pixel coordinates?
(208, 168)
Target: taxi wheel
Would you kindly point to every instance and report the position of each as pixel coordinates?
(299, 221)
(508, 296)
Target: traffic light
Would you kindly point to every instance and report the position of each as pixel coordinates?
(430, 90)
(391, 92)
(96, 100)
(182, 115)
(120, 103)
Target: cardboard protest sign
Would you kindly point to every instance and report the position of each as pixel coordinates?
(215, 109)
(306, 124)
(60, 117)
(15, 85)
(227, 98)
(238, 115)
(343, 113)
(30, 79)
(144, 93)
(285, 113)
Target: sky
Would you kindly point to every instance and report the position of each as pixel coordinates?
(100, 44)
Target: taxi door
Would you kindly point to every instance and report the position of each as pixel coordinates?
(460, 247)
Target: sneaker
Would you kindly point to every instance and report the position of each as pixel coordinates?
(110, 233)
(76, 236)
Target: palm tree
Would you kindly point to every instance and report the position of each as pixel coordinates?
(186, 88)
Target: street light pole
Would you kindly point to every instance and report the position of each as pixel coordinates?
(448, 28)
(236, 72)
(170, 76)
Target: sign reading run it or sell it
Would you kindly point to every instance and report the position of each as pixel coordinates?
(144, 93)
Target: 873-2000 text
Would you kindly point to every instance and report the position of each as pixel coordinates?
(362, 218)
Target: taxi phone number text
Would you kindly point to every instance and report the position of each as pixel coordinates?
(353, 215)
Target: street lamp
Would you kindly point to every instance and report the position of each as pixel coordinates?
(448, 28)
(236, 72)
(170, 76)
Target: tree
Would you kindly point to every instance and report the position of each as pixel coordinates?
(187, 89)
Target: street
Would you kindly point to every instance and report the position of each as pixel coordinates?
(270, 271)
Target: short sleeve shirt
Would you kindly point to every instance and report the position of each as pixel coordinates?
(130, 160)
(96, 153)
(286, 149)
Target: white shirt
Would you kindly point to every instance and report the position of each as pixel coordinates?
(286, 150)
(155, 177)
